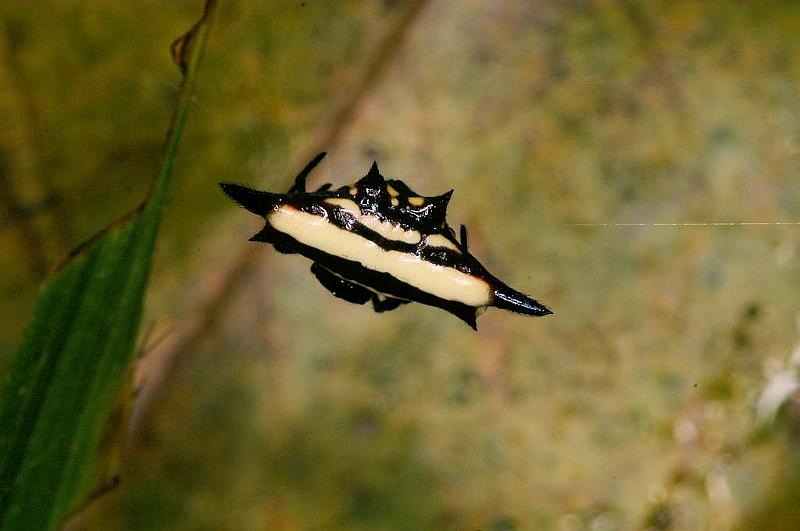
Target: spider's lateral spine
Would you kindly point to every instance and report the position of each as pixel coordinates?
(255, 201)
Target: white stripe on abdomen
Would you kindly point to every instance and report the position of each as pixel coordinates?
(387, 229)
(437, 240)
(444, 282)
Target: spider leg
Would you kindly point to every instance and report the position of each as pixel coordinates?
(381, 305)
(340, 287)
(300, 181)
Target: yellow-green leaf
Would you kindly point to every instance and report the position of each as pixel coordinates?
(70, 368)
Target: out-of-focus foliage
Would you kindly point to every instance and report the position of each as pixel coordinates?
(633, 406)
(57, 404)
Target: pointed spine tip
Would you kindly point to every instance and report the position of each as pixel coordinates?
(255, 201)
(512, 300)
(316, 160)
(444, 199)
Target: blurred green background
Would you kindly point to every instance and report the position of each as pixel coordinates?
(269, 404)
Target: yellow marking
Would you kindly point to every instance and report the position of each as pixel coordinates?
(416, 201)
(395, 202)
(354, 191)
(392, 191)
(387, 229)
(444, 282)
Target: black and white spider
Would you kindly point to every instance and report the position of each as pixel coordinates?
(377, 240)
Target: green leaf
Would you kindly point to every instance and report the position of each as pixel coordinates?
(73, 362)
